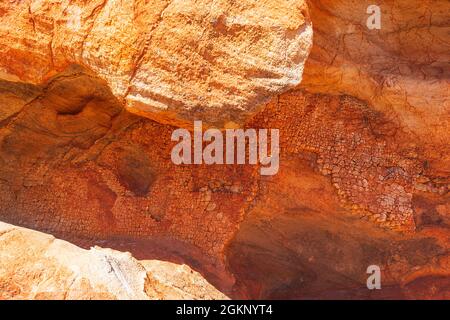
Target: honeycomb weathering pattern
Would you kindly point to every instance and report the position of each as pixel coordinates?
(364, 169)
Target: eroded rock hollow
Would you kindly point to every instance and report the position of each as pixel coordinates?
(90, 93)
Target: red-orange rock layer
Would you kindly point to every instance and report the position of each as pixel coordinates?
(364, 170)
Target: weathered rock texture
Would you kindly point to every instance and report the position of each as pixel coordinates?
(218, 60)
(35, 265)
(364, 169)
(401, 70)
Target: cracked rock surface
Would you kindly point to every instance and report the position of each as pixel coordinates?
(88, 106)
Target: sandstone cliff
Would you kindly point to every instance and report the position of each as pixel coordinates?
(90, 94)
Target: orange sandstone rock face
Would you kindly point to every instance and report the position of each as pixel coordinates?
(364, 168)
(196, 59)
(98, 174)
(98, 177)
(400, 70)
